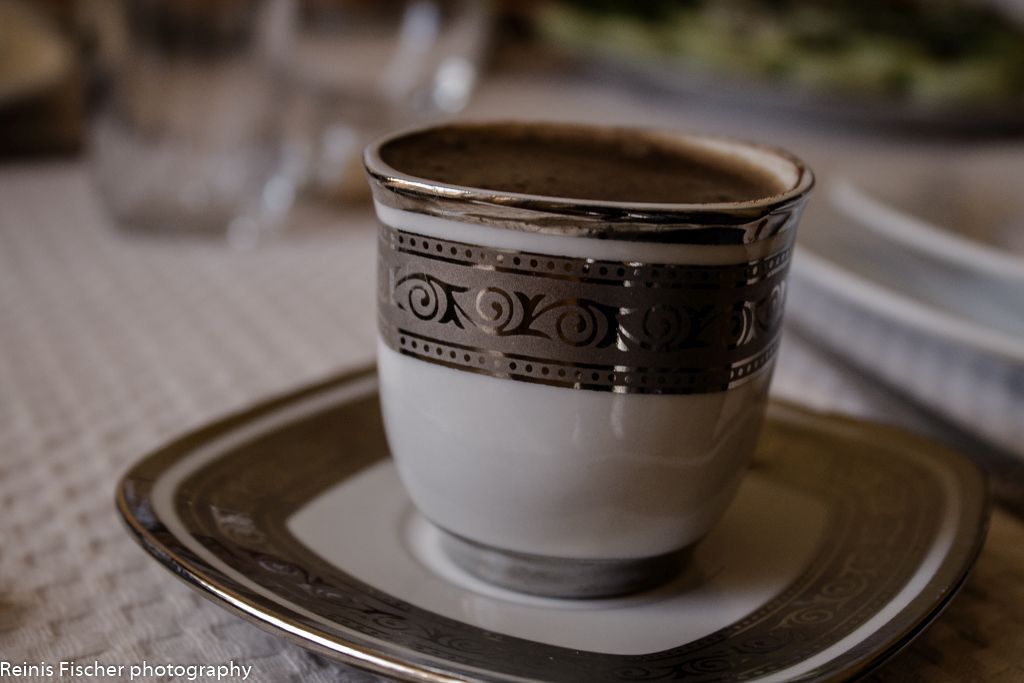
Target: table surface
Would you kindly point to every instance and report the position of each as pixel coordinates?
(112, 344)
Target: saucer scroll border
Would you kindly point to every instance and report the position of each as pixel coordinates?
(228, 538)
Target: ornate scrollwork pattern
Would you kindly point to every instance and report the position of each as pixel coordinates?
(580, 323)
(883, 520)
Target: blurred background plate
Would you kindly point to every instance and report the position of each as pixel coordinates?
(946, 338)
(969, 214)
(964, 306)
(948, 65)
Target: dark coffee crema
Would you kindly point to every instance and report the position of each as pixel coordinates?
(616, 165)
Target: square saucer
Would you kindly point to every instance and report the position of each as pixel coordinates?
(845, 540)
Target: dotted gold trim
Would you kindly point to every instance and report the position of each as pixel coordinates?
(625, 327)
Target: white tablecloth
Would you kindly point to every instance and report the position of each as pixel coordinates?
(111, 344)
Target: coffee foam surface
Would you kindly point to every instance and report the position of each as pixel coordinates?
(586, 164)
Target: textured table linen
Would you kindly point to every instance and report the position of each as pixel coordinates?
(110, 345)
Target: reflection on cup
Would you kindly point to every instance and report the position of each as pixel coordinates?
(577, 331)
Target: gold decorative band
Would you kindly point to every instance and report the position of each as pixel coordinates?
(579, 323)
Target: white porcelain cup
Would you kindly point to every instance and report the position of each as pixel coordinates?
(572, 388)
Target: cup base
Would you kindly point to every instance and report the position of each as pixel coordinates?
(559, 577)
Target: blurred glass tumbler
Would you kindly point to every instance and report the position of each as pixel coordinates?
(186, 133)
(577, 328)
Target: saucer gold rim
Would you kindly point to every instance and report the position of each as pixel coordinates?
(386, 654)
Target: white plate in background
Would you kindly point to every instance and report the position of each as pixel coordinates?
(953, 303)
(969, 213)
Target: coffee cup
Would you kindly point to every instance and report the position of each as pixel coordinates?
(577, 328)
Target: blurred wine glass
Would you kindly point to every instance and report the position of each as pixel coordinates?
(364, 67)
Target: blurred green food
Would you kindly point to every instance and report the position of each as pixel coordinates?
(933, 52)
